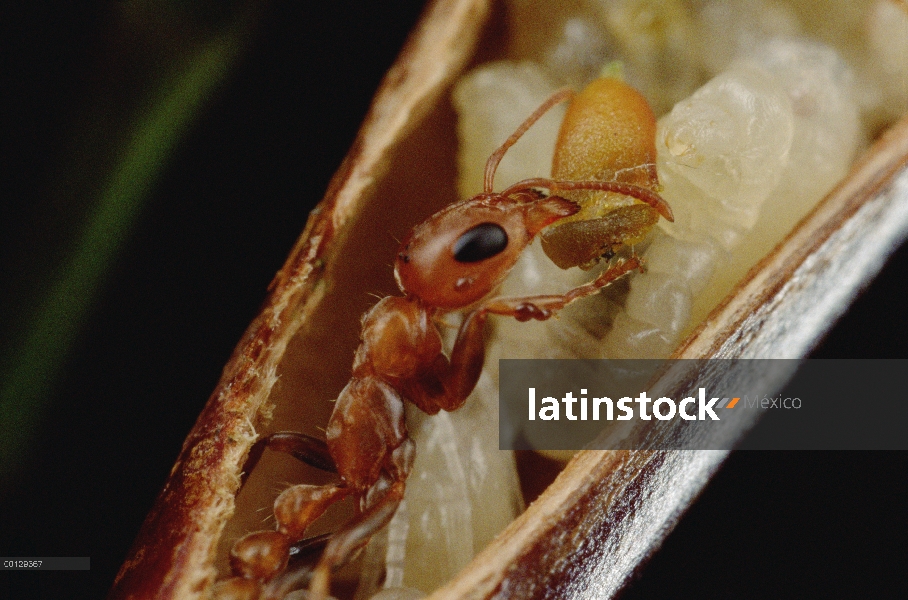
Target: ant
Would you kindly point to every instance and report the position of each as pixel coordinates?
(452, 261)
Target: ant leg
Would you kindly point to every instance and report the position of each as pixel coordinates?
(544, 307)
(303, 558)
(359, 530)
(307, 449)
(448, 382)
(353, 536)
(264, 555)
(299, 505)
(467, 358)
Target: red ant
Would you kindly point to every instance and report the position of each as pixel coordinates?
(451, 261)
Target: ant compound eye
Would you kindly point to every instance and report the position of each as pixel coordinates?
(480, 242)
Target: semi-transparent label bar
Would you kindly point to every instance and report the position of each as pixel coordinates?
(45, 563)
(717, 404)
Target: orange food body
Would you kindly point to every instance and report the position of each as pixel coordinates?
(608, 134)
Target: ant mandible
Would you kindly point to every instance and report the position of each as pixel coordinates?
(451, 261)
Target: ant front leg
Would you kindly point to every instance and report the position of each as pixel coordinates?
(544, 307)
(446, 383)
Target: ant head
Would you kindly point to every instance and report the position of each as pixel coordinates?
(461, 253)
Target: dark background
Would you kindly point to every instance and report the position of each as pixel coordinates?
(231, 203)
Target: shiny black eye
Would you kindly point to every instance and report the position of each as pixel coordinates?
(480, 242)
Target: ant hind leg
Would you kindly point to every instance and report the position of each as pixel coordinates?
(378, 511)
(305, 448)
(354, 535)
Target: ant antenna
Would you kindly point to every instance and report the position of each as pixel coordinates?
(495, 158)
(628, 189)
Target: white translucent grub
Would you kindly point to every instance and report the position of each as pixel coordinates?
(741, 161)
(720, 154)
(827, 128)
(692, 261)
(458, 467)
(534, 274)
(730, 139)
(396, 551)
(493, 484)
(373, 568)
(660, 300)
(492, 101)
(630, 338)
(440, 537)
(732, 27)
(703, 218)
(887, 34)
(827, 134)
(578, 53)
(384, 558)
(843, 25)
(654, 38)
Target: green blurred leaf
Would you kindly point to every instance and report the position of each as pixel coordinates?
(30, 369)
